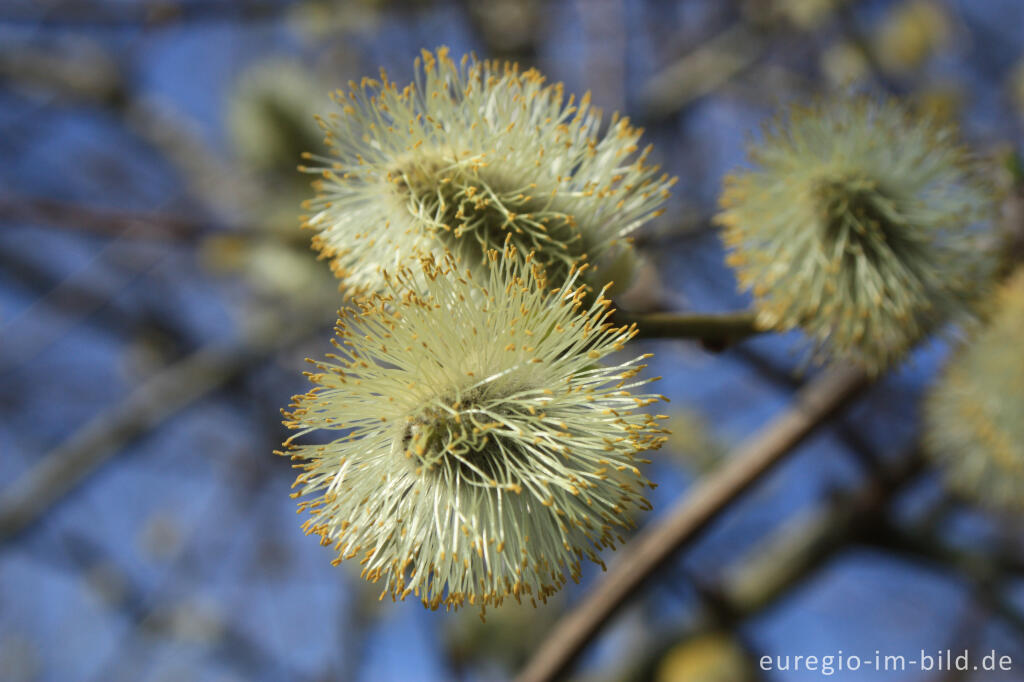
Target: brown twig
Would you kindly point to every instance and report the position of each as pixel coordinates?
(784, 561)
(809, 539)
(714, 329)
(115, 223)
(655, 545)
(161, 397)
(149, 15)
(702, 71)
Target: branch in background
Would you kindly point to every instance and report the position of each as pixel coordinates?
(807, 541)
(94, 78)
(784, 560)
(683, 524)
(926, 544)
(702, 71)
(687, 230)
(141, 606)
(150, 14)
(71, 75)
(715, 330)
(986, 573)
(73, 298)
(852, 437)
(163, 396)
(114, 223)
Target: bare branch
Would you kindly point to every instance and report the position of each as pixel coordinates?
(810, 538)
(163, 396)
(115, 223)
(150, 15)
(656, 544)
(712, 328)
(702, 71)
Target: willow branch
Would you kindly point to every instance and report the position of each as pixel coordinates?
(809, 539)
(787, 558)
(988, 574)
(702, 71)
(711, 328)
(148, 15)
(115, 223)
(161, 397)
(656, 544)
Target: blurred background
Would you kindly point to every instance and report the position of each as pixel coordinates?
(157, 301)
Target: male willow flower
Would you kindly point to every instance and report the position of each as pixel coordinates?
(974, 418)
(859, 224)
(467, 154)
(483, 450)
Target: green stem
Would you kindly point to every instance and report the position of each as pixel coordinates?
(713, 329)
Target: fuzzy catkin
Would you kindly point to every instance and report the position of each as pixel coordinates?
(974, 416)
(468, 154)
(860, 224)
(480, 448)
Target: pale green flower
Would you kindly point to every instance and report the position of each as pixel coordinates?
(482, 449)
(860, 224)
(974, 417)
(470, 153)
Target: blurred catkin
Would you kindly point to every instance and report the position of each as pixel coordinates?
(861, 224)
(974, 417)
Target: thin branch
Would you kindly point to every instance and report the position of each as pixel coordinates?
(681, 232)
(850, 436)
(149, 15)
(70, 74)
(987, 573)
(160, 398)
(720, 328)
(785, 560)
(702, 71)
(791, 555)
(926, 544)
(114, 223)
(137, 603)
(656, 544)
(71, 296)
(94, 80)
(809, 539)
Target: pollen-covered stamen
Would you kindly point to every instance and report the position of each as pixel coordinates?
(488, 204)
(485, 449)
(454, 439)
(467, 154)
(473, 208)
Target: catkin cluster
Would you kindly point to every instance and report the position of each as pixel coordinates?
(478, 446)
(470, 441)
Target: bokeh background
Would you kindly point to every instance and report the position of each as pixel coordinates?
(157, 301)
